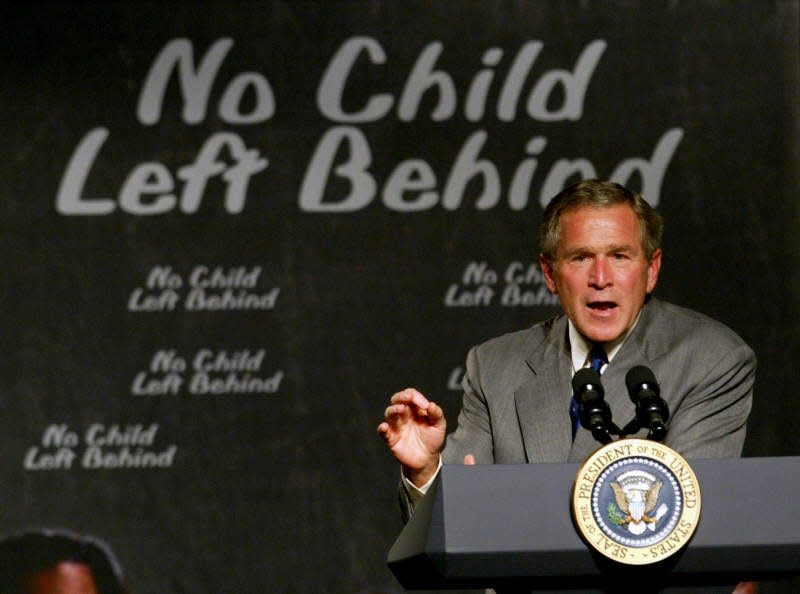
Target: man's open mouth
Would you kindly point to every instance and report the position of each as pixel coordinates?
(602, 305)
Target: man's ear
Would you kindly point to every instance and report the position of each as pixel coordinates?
(548, 270)
(653, 268)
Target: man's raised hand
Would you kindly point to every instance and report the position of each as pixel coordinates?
(414, 429)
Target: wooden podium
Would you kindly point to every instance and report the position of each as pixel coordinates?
(510, 527)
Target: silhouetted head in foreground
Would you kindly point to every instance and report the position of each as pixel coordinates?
(51, 562)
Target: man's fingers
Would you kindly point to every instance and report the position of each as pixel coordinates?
(434, 412)
(386, 433)
(394, 410)
(397, 413)
(469, 460)
(419, 406)
(411, 396)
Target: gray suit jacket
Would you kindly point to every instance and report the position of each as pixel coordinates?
(517, 390)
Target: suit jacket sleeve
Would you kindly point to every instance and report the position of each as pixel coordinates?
(710, 421)
(474, 433)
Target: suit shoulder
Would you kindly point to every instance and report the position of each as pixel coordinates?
(517, 344)
(678, 324)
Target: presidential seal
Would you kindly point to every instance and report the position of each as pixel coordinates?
(636, 501)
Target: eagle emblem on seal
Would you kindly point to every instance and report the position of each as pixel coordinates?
(636, 494)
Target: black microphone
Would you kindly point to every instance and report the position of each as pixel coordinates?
(651, 410)
(594, 412)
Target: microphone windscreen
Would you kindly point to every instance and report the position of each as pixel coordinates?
(584, 377)
(640, 375)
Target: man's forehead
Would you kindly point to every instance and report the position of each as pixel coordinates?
(589, 235)
(66, 577)
(597, 209)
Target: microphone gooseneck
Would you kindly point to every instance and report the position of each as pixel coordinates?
(652, 411)
(594, 412)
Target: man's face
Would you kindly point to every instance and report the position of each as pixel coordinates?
(600, 273)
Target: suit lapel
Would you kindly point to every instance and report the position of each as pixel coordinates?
(542, 402)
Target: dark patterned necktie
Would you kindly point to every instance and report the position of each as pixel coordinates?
(597, 359)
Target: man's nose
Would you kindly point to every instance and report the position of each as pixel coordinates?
(599, 273)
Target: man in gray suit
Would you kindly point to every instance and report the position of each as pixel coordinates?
(600, 253)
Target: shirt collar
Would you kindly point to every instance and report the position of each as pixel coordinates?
(580, 346)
